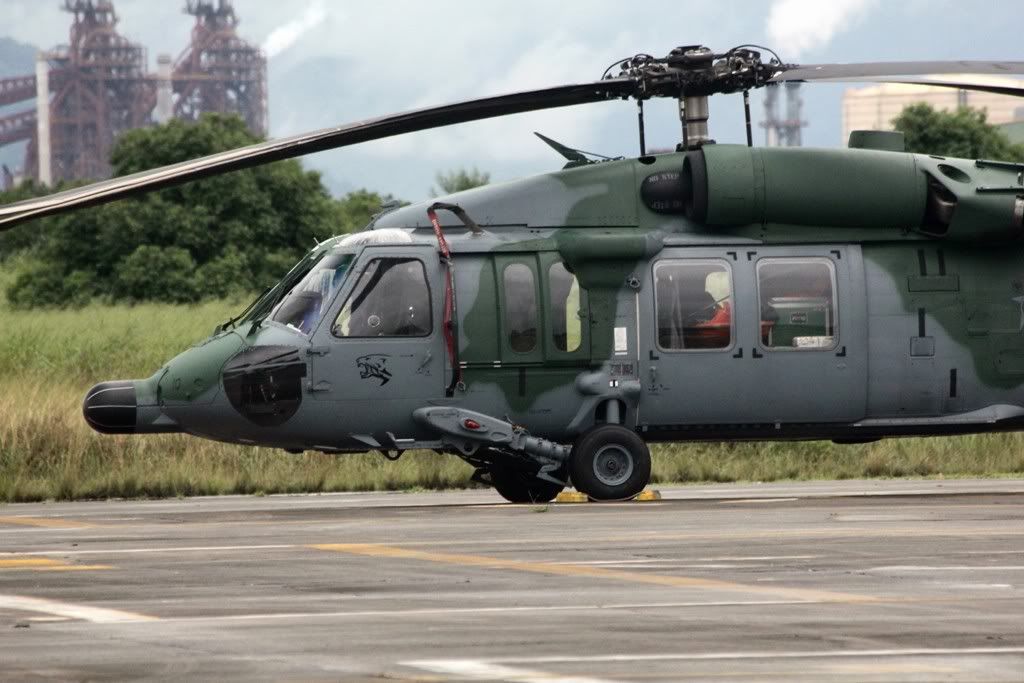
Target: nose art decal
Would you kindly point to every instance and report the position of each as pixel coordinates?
(374, 366)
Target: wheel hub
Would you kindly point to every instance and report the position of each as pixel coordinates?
(613, 465)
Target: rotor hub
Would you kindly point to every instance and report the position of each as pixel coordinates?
(697, 71)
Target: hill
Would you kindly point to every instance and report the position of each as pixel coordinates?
(16, 59)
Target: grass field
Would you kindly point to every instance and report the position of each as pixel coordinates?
(49, 358)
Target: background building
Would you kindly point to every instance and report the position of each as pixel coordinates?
(1015, 129)
(875, 107)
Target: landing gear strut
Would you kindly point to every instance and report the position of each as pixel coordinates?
(518, 479)
(610, 462)
(517, 486)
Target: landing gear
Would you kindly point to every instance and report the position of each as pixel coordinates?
(610, 462)
(517, 486)
(516, 477)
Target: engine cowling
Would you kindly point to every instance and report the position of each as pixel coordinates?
(734, 185)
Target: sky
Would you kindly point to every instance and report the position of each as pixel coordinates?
(332, 62)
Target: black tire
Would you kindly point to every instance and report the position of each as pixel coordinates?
(610, 462)
(517, 486)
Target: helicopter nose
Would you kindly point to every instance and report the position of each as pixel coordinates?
(111, 407)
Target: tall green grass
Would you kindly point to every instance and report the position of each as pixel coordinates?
(48, 359)
(100, 342)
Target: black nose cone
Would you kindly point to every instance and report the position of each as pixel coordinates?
(110, 407)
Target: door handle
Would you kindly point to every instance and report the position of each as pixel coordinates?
(318, 350)
(423, 366)
(320, 386)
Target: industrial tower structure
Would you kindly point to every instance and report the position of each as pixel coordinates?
(90, 91)
(783, 131)
(219, 71)
(100, 90)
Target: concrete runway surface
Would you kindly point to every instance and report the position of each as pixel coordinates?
(850, 581)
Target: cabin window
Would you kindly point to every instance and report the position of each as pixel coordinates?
(520, 307)
(566, 320)
(693, 303)
(390, 299)
(797, 297)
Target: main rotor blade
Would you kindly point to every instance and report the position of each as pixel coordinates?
(893, 70)
(944, 81)
(307, 143)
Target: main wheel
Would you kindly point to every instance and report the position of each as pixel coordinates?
(517, 486)
(610, 462)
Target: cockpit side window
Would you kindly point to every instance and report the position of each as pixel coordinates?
(390, 299)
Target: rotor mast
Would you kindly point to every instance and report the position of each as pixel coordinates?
(691, 74)
(693, 108)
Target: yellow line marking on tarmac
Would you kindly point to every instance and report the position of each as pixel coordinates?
(20, 562)
(48, 522)
(75, 568)
(577, 570)
(43, 564)
(969, 533)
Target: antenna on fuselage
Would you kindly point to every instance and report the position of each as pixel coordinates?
(575, 157)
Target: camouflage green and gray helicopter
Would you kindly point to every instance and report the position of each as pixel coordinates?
(547, 329)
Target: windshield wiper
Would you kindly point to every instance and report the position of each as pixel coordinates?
(231, 321)
(266, 304)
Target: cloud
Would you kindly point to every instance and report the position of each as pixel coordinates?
(283, 37)
(553, 60)
(797, 26)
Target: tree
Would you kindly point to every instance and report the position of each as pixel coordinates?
(219, 236)
(963, 133)
(459, 180)
(26, 236)
(358, 207)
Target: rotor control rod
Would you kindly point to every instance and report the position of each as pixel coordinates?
(640, 124)
(746, 118)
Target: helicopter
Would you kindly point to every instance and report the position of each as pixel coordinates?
(547, 329)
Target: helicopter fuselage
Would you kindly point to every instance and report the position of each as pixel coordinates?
(891, 304)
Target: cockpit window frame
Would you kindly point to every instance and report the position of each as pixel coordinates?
(830, 265)
(707, 261)
(363, 261)
(326, 306)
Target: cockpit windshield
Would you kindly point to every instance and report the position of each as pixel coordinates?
(303, 306)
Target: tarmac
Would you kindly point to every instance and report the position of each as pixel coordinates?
(848, 581)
